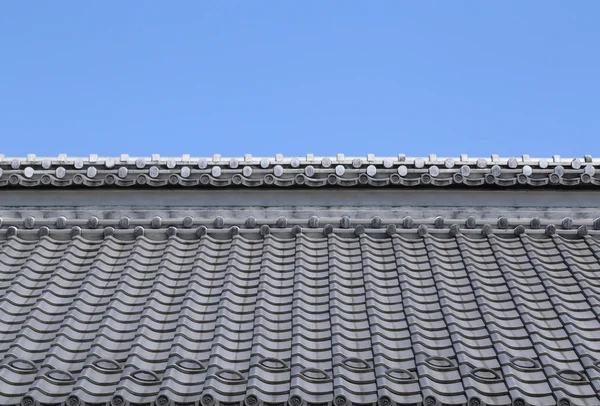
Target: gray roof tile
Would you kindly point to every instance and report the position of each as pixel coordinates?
(311, 171)
(341, 319)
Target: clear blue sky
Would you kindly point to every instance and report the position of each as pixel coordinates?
(297, 77)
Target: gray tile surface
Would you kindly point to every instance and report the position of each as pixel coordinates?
(344, 320)
(309, 171)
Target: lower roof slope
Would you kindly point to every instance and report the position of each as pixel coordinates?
(393, 320)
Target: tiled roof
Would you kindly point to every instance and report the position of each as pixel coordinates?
(309, 171)
(341, 313)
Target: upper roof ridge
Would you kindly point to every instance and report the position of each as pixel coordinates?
(308, 170)
(308, 158)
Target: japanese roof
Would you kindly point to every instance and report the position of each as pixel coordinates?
(308, 171)
(389, 311)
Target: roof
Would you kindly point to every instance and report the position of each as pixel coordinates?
(309, 171)
(300, 295)
(346, 311)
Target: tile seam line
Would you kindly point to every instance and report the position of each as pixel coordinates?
(359, 240)
(226, 295)
(296, 390)
(439, 286)
(257, 389)
(198, 267)
(294, 353)
(328, 240)
(361, 243)
(517, 309)
(459, 242)
(401, 280)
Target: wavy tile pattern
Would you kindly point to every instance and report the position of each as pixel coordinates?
(339, 320)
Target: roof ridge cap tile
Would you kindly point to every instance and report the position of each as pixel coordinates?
(309, 171)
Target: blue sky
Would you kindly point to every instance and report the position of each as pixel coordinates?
(297, 77)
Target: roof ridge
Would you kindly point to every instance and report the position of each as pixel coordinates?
(308, 158)
(310, 171)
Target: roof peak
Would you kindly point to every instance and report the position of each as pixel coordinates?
(309, 170)
(308, 158)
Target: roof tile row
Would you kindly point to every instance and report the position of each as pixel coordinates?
(311, 171)
(127, 227)
(303, 320)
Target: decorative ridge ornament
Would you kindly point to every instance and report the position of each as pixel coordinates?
(310, 171)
